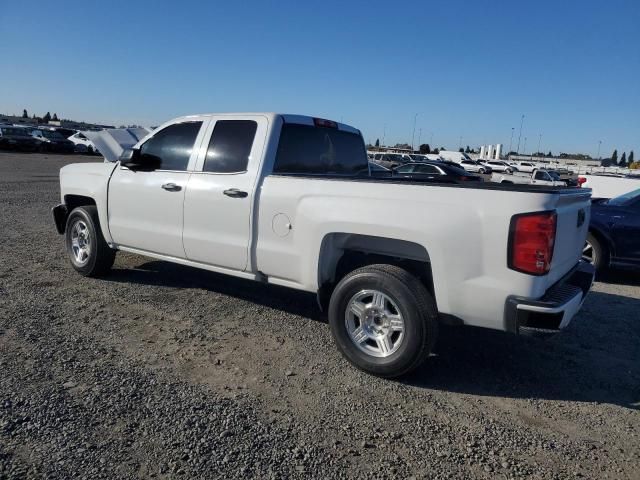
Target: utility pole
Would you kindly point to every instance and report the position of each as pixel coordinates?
(520, 134)
(511, 141)
(419, 137)
(599, 143)
(384, 133)
(539, 140)
(413, 135)
(524, 148)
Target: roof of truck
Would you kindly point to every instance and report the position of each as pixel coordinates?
(288, 118)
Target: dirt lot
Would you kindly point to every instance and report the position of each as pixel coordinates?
(165, 371)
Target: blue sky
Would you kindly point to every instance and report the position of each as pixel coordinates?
(468, 69)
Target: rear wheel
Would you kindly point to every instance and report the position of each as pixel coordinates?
(88, 251)
(383, 320)
(595, 253)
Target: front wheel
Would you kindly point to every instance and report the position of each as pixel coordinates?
(482, 171)
(88, 251)
(383, 320)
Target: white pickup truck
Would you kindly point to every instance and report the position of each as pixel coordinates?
(536, 177)
(288, 200)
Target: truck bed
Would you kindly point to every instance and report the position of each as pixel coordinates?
(507, 187)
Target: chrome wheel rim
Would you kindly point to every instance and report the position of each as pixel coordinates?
(374, 323)
(588, 255)
(80, 242)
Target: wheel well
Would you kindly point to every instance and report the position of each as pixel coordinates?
(342, 253)
(604, 242)
(74, 201)
(70, 202)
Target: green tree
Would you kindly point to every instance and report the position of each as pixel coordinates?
(377, 142)
(623, 160)
(614, 157)
(47, 117)
(549, 154)
(467, 150)
(630, 157)
(25, 114)
(55, 117)
(436, 151)
(461, 150)
(425, 149)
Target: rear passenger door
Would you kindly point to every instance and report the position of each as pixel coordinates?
(219, 198)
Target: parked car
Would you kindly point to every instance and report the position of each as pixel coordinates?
(446, 172)
(526, 167)
(376, 170)
(17, 138)
(82, 143)
(281, 199)
(475, 167)
(391, 160)
(52, 141)
(452, 156)
(498, 166)
(608, 186)
(537, 177)
(614, 232)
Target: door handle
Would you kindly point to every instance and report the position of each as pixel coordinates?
(235, 193)
(171, 187)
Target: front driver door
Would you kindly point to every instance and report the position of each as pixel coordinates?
(146, 205)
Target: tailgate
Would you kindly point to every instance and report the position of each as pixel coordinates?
(574, 211)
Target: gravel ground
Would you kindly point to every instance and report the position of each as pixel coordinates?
(165, 371)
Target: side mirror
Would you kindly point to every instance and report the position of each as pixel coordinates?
(129, 156)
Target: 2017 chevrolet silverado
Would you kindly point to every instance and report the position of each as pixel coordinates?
(288, 200)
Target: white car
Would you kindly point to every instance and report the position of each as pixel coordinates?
(82, 143)
(288, 200)
(526, 167)
(475, 167)
(498, 166)
(537, 177)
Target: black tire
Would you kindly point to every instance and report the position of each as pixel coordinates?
(600, 254)
(482, 171)
(100, 256)
(413, 302)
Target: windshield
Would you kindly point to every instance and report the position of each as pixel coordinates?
(395, 158)
(626, 198)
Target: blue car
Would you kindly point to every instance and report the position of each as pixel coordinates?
(614, 232)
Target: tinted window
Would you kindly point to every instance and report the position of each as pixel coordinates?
(318, 150)
(405, 169)
(230, 146)
(427, 169)
(171, 147)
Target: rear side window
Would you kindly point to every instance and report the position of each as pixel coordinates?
(305, 149)
(171, 147)
(427, 169)
(230, 146)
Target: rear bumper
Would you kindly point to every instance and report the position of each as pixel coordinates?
(555, 309)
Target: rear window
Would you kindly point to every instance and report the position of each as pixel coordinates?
(304, 149)
(230, 146)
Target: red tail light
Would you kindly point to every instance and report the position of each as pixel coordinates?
(531, 240)
(581, 180)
